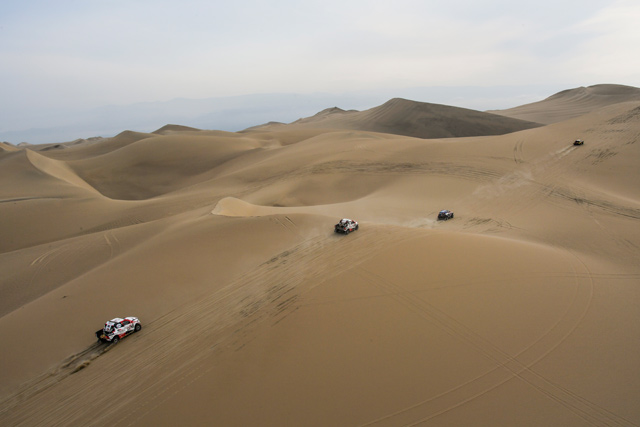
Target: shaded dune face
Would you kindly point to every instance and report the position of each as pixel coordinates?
(521, 310)
(416, 119)
(158, 165)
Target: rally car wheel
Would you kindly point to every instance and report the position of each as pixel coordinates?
(115, 340)
(137, 327)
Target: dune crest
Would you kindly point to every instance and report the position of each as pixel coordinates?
(7, 147)
(416, 119)
(166, 129)
(230, 206)
(57, 169)
(572, 103)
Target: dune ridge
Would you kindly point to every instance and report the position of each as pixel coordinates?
(416, 119)
(522, 310)
(57, 169)
(4, 146)
(572, 103)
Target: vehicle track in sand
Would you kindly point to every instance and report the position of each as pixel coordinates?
(528, 184)
(113, 243)
(224, 321)
(488, 225)
(59, 256)
(189, 338)
(582, 199)
(517, 152)
(287, 224)
(294, 271)
(507, 367)
(69, 366)
(475, 173)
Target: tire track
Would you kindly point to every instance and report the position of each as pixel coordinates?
(71, 365)
(42, 262)
(66, 253)
(527, 184)
(517, 152)
(288, 225)
(113, 243)
(488, 225)
(469, 172)
(606, 206)
(184, 338)
(508, 367)
(256, 309)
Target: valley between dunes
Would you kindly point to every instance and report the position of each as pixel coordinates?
(522, 310)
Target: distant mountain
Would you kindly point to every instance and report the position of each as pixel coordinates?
(411, 118)
(225, 113)
(235, 113)
(572, 103)
(240, 112)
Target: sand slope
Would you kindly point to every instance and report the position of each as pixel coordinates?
(410, 118)
(5, 146)
(572, 103)
(522, 310)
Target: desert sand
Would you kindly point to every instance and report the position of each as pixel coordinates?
(522, 310)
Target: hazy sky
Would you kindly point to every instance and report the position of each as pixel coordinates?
(89, 53)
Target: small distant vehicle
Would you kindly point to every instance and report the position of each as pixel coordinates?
(346, 226)
(117, 328)
(445, 215)
(578, 142)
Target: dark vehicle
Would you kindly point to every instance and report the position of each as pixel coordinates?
(346, 226)
(445, 215)
(578, 142)
(118, 328)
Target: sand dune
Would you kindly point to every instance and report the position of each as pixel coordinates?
(7, 147)
(417, 119)
(522, 310)
(572, 103)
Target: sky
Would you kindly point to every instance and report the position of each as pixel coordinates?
(86, 53)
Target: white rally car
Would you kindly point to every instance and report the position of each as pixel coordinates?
(118, 328)
(346, 226)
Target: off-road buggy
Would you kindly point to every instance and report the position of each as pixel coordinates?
(445, 215)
